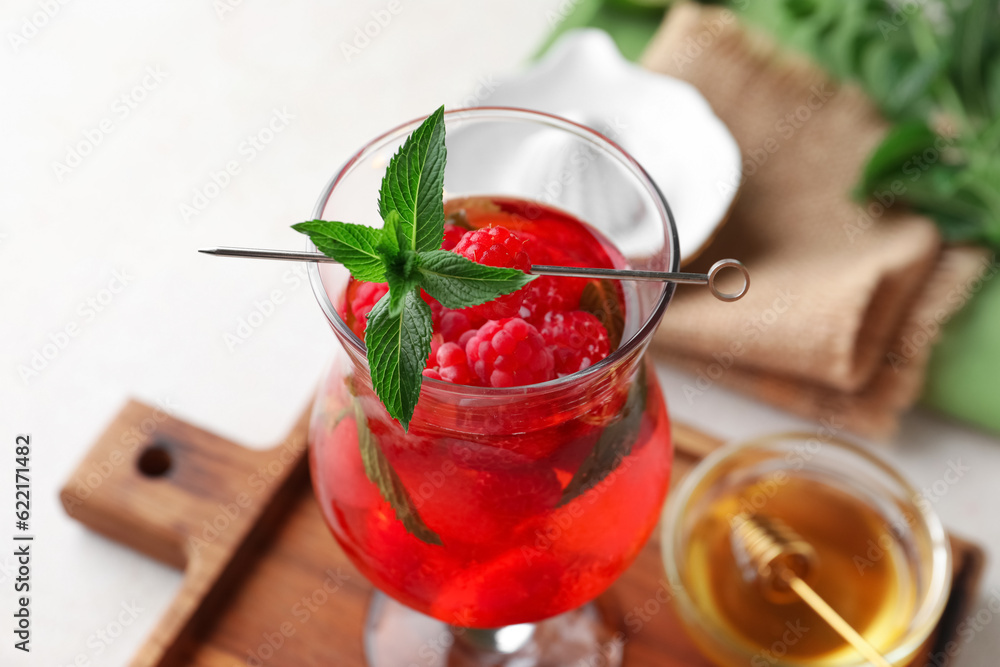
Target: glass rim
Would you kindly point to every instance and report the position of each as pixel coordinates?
(625, 349)
(930, 606)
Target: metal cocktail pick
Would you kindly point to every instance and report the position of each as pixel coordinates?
(782, 560)
(709, 278)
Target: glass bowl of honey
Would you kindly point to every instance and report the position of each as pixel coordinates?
(872, 550)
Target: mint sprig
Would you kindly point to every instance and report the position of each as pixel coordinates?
(406, 254)
(613, 444)
(354, 246)
(413, 186)
(398, 346)
(458, 282)
(380, 472)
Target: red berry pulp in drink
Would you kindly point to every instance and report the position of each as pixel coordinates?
(520, 540)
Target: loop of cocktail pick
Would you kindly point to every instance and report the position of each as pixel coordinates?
(710, 278)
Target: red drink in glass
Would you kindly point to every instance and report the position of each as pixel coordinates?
(541, 498)
(540, 495)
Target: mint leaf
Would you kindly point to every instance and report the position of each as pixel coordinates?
(398, 347)
(414, 186)
(401, 275)
(459, 283)
(392, 234)
(354, 246)
(406, 255)
(380, 472)
(613, 445)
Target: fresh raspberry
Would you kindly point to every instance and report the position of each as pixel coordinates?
(452, 235)
(447, 362)
(436, 341)
(550, 294)
(495, 246)
(431, 369)
(452, 364)
(437, 310)
(365, 296)
(577, 340)
(453, 324)
(464, 339)
(508, 353)
(479, 509)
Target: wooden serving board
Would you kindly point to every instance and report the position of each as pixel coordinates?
(264, 578)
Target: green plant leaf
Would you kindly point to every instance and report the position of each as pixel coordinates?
(414, 186)
(354, 246)
(923, 64)
(398, 348)
(392, 234)
(879, 68)
(911, 87)
(992, 78)
(459, 283)
(971, 33)
(845, 36)
(382, 475)
(401, 274)
(904, 142)
(613, 445)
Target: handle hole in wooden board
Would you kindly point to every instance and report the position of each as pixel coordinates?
(155, 461)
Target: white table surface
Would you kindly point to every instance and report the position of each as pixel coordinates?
(66, 234)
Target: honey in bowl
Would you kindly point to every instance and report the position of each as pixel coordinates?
(871, 586)
(879, 557)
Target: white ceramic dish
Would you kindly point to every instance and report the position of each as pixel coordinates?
(663, 122)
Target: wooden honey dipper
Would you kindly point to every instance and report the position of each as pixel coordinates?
(781, 561)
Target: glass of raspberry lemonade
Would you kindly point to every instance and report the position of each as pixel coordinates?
(539, 453)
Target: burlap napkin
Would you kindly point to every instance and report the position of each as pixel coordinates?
(846, 298)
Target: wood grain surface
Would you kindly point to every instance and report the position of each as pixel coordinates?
(266, 584)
